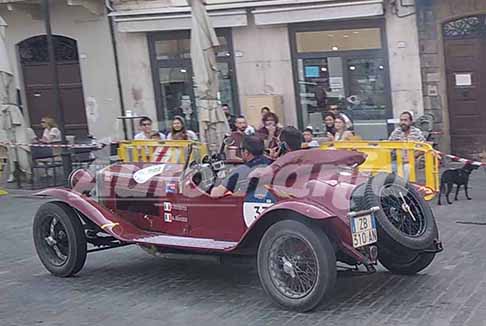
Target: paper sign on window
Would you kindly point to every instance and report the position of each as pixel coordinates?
(336, 83)
(463, 80)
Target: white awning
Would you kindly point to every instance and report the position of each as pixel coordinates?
(234, 14)
(172, 22)
(318, 12)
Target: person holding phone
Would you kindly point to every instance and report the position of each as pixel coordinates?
(270, 131)
(290, 140)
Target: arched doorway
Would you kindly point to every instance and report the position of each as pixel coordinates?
(38, 82)
(465, 53)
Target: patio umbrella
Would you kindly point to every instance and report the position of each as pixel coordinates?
(12, 124)
(213, 125)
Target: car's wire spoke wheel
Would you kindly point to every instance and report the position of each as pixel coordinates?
(296, 264)
(405, 220)
(55, 245)
(293, 266)
(403, 210)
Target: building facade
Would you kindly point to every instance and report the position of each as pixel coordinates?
(85, 65)
(452, 51)
(297, 57)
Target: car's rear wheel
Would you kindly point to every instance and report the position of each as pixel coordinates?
(59, 239)
(405, 262)
(296, 265)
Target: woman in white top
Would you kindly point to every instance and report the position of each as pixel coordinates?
(179, 131)
(51, 133)
(341, 131)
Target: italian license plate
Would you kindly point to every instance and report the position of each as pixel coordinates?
(363, 230)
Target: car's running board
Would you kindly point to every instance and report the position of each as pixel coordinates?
(186, 242)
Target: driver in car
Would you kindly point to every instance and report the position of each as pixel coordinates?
(252, 153)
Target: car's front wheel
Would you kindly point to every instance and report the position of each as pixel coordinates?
(296, 265)
(59, 239)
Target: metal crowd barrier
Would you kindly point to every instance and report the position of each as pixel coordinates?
(403, 158)
(155, 151)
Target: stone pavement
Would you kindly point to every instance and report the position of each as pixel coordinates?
(126, 286)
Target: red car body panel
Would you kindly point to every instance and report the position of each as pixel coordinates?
(170, 211)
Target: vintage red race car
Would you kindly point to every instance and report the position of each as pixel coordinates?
(313, 210)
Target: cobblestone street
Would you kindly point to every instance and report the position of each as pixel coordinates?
(126, 286)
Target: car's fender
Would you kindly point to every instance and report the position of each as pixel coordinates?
(291, 209)
(307, 209)
(90, 209)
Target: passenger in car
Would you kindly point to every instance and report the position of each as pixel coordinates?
(252, 153)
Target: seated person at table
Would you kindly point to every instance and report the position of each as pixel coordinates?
(252, 154)
(51, 133)
(146, 131)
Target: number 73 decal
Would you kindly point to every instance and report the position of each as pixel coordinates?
(252, 210)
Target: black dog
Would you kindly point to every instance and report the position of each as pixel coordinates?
(459, 177)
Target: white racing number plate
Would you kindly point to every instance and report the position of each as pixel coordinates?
(363, 230)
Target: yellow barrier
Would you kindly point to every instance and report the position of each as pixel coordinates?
(168, 151)
(381, 155)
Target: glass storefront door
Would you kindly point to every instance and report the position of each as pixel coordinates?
(177, 95)
(347, 68)
(366, 102)
(321, 83)
(172, 67)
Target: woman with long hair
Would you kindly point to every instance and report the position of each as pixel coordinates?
(51, 133)
(179, 131)
(342, 133)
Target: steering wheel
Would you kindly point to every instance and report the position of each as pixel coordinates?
(204, 176)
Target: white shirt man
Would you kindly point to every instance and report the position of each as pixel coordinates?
(146, 132)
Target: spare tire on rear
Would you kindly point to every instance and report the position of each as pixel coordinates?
(405, 218)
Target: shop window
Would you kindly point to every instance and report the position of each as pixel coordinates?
(345, 68)
(338, 40)
(173, 76)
